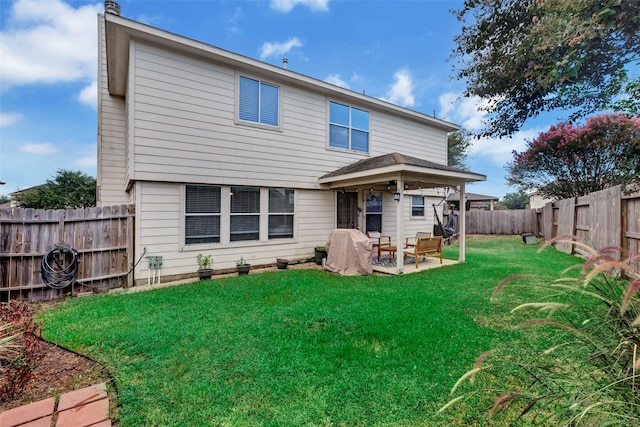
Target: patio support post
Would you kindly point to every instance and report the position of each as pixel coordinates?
(399, 227)
(463, 224)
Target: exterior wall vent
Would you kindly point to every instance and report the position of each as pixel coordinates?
(112, 7)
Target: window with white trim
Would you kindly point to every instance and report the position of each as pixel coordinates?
(258, 102)
(417, 206)
(281, 209)
(348, 127)
(373, 206)
(202, 214)
(245, 214)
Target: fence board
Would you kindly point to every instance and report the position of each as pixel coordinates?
(103, 238)
(606, 218)
(517, 221)
(565, 220)
(630, 207)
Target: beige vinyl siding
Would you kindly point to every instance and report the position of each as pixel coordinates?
(389, 134)
(411, 224)
(111, 136)
(414, 224)
(159, 215)
(185, 130)
(388, 214)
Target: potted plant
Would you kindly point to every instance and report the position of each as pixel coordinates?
(282, 263)
(320, 253)
(204, 266)
(242, 266)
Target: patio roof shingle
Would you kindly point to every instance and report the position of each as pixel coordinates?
(390, 159)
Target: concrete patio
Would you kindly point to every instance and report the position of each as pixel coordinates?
(388, 266)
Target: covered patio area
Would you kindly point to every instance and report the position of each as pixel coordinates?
(396, 177)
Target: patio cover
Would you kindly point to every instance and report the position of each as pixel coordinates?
(349, 253)
(406, 173)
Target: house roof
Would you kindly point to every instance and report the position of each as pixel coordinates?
(455, 197)
(415, 172)
(389, 160)
(121, 31)
(26, 190)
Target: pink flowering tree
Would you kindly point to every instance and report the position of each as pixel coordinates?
(570, 161)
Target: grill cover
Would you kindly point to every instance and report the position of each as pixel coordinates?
(349, 253)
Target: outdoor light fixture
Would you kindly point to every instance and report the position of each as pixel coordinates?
(396, 196)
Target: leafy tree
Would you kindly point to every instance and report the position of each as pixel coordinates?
(458, 143)
(518, 200)
(568, 161)
(4, 199)
(68, 189)
(528, 56)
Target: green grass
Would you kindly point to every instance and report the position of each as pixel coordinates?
(305, 347)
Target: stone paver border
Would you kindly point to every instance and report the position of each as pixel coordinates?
(87, 407)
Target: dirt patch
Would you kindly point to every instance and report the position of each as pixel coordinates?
(59, 371)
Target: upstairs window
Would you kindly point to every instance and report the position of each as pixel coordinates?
(258, 102)
(281, 211)
(417, 206)
(202, 214)
(348, 127)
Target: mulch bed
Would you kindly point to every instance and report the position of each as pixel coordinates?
(58, 371)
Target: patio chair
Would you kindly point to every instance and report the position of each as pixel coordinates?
(424, 247)
(419, 235)
(377, 240)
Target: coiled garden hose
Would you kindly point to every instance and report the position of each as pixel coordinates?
(59, 266)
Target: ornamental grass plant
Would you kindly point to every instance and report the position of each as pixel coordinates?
(587, 370)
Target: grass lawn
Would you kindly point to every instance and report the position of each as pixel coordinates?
(305, 347)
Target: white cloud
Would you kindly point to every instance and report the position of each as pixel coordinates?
(234, 21)
(86, 162)
(87, 158)
(500, 150)
(401, 92)
(286, 5)
(274, 49)
(48, 41)
(9, 119)
(469, 113)
(89, 95)
(335, 79)
(40, 149)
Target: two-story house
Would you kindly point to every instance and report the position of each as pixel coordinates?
(227, 155)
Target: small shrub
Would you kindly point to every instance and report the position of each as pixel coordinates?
(25, 351)
(589, 374)
(204, 261)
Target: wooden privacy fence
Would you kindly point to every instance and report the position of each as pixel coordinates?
(517, 221)
(608, 217)
(101, 236)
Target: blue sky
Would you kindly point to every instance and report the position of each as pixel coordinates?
(393, 50)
